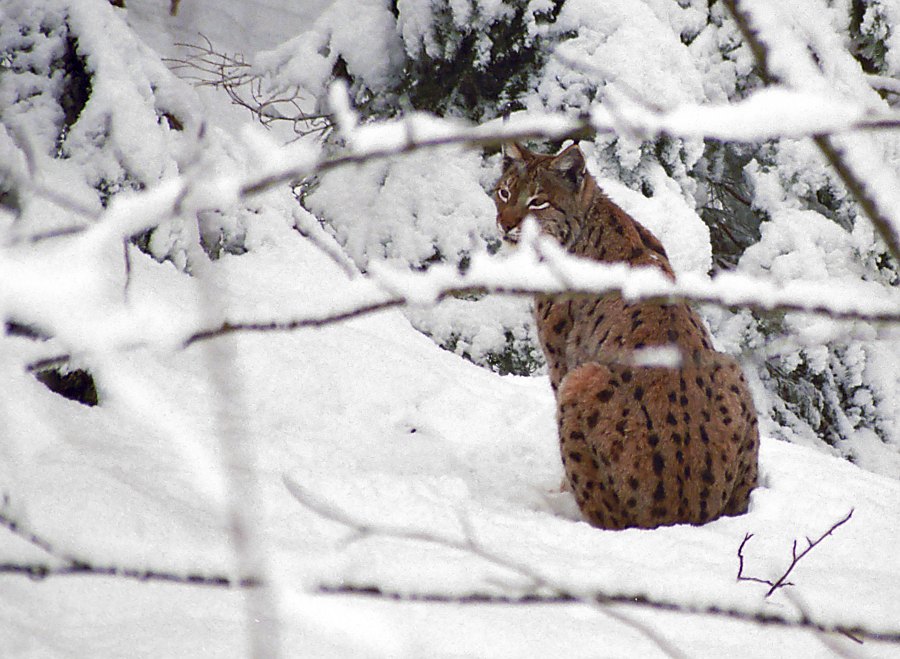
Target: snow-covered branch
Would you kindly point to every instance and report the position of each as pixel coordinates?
(870, 198)
(468, 543)
(244, 503)
(766, 115)
(542, 267)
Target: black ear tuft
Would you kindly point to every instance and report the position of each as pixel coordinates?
(570, 165)
(513, 153)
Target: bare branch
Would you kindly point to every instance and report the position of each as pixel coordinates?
(740, 574)
(205, 66)
(782, 581)
(70, 565)
(274, 326)
(73, 566)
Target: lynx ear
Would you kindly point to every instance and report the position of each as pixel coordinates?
(514, 152)
(570, 165)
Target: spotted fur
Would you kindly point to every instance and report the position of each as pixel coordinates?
(641, 446)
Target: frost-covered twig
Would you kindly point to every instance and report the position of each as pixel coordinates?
(782, 581)
(866, 196)
(884, 83)
(368, 308)
(726, 123)
(307, 227)
(566, 275)
(69, 565)
(560, 274)
(827, 640)
(245, 508)
(30, 181)
(205, 66)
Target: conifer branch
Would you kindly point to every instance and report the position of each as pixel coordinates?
(867, 198)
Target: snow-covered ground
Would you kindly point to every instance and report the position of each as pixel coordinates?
(368, 420)
(372, 419)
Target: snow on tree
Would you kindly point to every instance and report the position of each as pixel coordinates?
(156, 265)
(699, 195)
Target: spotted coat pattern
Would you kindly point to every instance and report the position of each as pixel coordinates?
(642, 446)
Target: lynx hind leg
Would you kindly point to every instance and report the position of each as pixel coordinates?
(748, 475)
(728, 377)
(586, 404)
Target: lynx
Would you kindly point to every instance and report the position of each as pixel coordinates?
(642, 446)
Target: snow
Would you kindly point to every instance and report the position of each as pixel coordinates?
(765, 114)
(388, 448)
(400, 208)
(368, 419)
(361, 32)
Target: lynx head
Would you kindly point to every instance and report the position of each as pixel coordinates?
(546, 187)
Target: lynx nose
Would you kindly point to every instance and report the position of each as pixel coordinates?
(509, 219)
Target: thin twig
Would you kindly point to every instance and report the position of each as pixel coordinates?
(74, 566)
(782, 581)
(638, 601)
(740, 574)
(204, 66)
(78, 567)
(307, 227)
(827, 640)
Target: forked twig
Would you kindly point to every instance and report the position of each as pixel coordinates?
(205, 66)
(782, 581)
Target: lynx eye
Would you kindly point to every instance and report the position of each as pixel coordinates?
(503, 193)
(538, 203)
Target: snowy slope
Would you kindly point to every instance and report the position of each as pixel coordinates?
(375, 420)
(372, 419)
